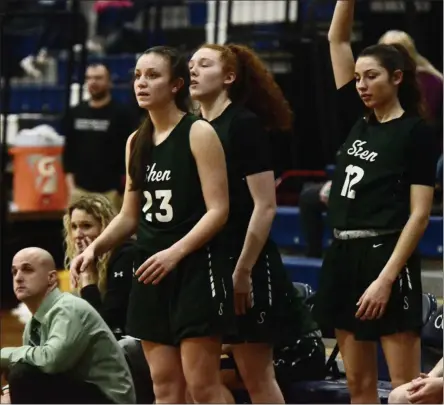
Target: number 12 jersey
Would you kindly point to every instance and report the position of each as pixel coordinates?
(376, 166)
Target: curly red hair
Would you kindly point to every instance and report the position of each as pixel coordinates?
(255, 86)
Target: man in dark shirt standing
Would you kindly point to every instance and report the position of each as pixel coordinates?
(95, 137)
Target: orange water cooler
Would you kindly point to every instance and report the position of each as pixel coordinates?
(39, 181)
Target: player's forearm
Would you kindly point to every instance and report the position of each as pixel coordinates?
(120, 229)
(208, 226)
(257, 235)
(437, 370)
(407, 243)
(342, 22)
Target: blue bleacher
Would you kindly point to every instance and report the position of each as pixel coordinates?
(120, 66)
(123, 94)
(286, 232)
(37, 98)
(303, 269)
(431, 242)
(50, 99)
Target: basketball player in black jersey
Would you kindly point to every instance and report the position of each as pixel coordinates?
(176, 197)
(240, 98)
(379, 207)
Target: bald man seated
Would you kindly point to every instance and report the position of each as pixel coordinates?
(69, 355)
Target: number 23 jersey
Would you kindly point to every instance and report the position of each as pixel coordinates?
(172, 201)
(375, 168)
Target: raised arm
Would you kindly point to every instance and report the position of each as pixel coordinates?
(339, 37)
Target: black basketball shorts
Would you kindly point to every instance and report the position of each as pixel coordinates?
(193, 300)
(277, 313)
(349, 267)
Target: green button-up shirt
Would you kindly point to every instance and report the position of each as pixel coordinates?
(74, 339)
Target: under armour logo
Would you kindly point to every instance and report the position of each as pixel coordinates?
(118, 274)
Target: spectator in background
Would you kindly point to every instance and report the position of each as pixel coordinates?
(107, 283)
(55, 33)
(430, 82)
(312, 204)
(69, 355)
(96, 132)
(430, 79)
(105, 18)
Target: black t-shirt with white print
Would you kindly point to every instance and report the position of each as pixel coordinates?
(248, 151)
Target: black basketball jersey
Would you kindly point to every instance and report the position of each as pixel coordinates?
(376, 166)
(172, 199)
(247, 152)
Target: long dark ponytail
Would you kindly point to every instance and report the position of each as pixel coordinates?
(142, 142)
(396, 57)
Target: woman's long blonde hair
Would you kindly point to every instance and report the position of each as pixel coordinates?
(401, 37)
(101, 209)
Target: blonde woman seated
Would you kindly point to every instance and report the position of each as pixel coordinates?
(429, 78)
(105, 285)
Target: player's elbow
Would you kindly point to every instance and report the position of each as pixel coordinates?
(224, 213)
(128, 221)
(335, 38)
(331, 37)
(271, 210)
(220, 214)
(266, 210)
(421, 219)
(265, 203)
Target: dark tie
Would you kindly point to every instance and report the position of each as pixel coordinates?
(34, 335)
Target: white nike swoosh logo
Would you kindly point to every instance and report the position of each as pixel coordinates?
(375, 246)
